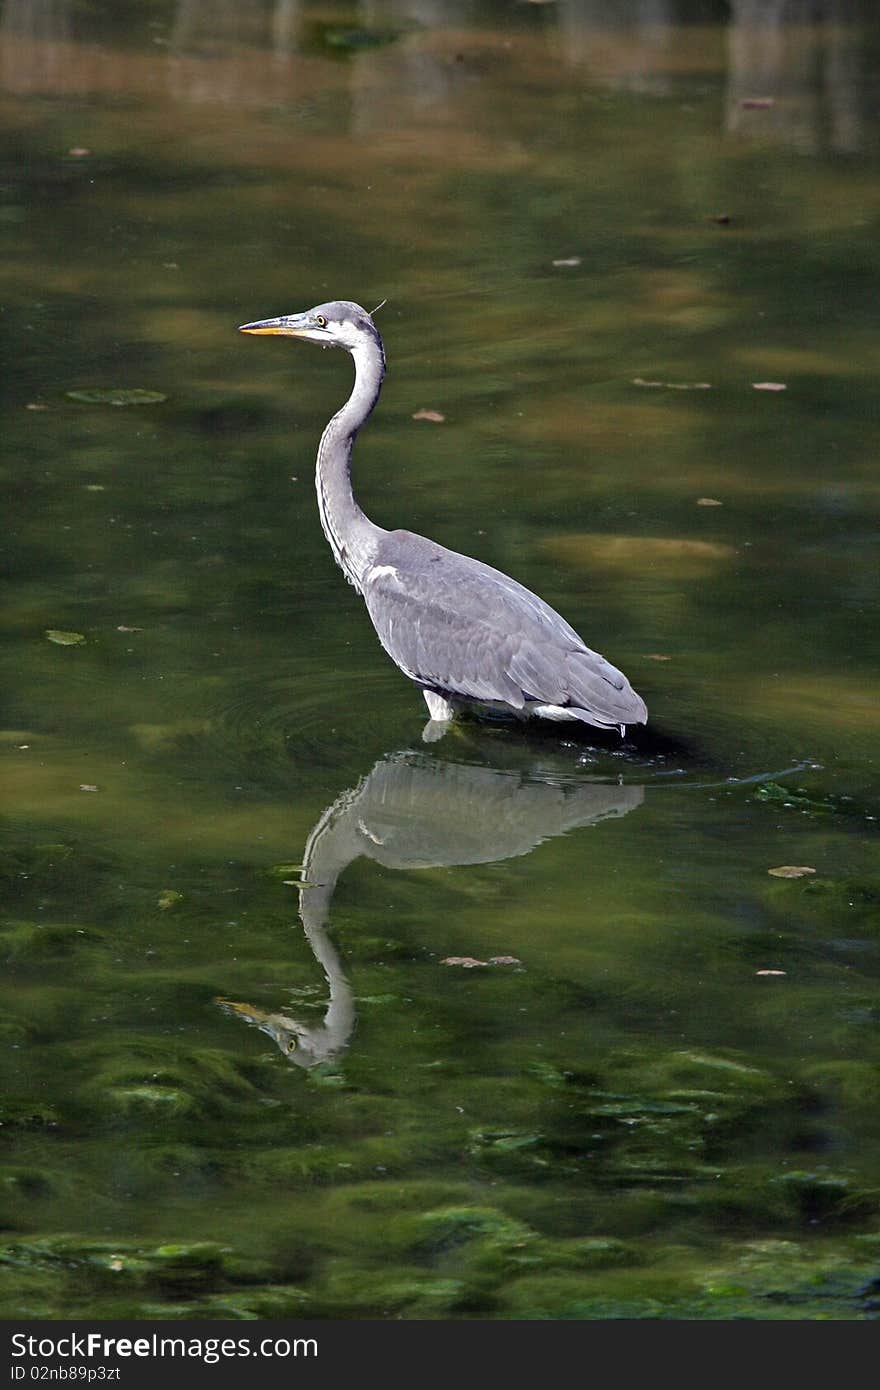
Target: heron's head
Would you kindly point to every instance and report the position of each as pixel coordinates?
(337, 324)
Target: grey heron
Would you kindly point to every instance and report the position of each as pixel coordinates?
(465, 633)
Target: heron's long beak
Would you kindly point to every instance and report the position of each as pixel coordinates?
(293, 325)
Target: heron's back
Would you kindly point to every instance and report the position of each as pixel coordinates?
(459, 626)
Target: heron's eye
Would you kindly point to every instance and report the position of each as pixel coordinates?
(291, 1046)
(320, 321)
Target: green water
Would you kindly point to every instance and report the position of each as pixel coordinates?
(227, 1096)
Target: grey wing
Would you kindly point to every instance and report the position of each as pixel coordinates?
(456, 625)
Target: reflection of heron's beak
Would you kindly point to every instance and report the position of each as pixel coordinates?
(280, 1029)
(291, 325)
(245, 1011)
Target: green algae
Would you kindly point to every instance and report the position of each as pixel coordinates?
(20, 1112)
(33, 942)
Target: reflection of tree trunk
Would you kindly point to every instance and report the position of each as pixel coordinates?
(415, 77)
(843, 76)
(44, 24)
(209, 29)
(803, 56)
(625, 43)
(285, 17)
(40, 20)
(218, 22)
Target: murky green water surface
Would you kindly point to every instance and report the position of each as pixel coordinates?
(656, 1092)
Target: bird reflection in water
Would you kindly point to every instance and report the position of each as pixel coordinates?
(415, 812)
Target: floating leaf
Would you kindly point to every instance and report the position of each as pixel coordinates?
(674, 385)
(466, 962)
(769, 386)
(117, 396)
(709, 502)
(168, 897)
(350, 40)
(286, 870)
(504, 960)
(505, 1140)
(796, 800)
(64, 639)
(791, 871)
(433, 415)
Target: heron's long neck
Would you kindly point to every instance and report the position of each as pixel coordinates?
(353, 538)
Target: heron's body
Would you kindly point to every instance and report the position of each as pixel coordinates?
(467, 634)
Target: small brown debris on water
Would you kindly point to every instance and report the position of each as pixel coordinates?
(757, 103)
(722, 219)
(709, 502)
(657, 656)
(770, 972)
(568, 261)
(466, 962)
(791, 871)
(434, 416)
(87, 787)
(769, 386)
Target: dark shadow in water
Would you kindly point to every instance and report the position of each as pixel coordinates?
(416, 811)
(645, 747)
